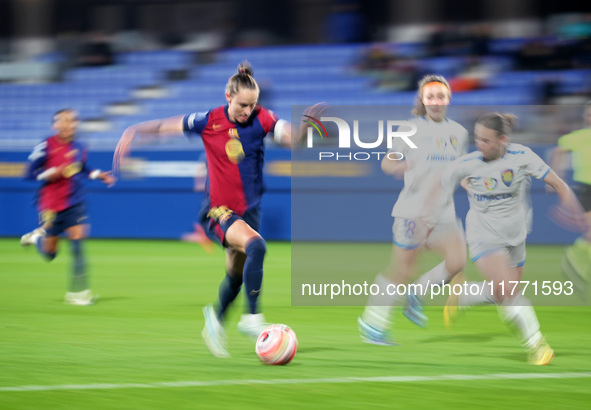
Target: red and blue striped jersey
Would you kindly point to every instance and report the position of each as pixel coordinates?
(235, 155)
(68, 189)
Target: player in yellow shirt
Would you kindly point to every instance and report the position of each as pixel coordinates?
(578, 256)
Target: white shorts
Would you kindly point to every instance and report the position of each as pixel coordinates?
(412, 234)
(516, 254)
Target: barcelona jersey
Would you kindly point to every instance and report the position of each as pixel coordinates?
(67, 190)
(235, 155)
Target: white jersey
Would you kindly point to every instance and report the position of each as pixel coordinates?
(438, 144)
(497, 212)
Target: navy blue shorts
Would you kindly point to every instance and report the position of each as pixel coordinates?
(217, 220)
(59, 222)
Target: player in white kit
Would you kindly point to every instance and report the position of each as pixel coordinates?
(439, 141)
(497, 224)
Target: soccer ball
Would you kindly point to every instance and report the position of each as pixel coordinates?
(277, 344)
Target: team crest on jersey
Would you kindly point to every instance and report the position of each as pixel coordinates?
(507, 177)
(234, 151)
(490, 183)
(234, 148)
(441, 144)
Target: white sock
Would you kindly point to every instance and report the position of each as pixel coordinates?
(379, 307)
(482, 297)
(436, 276)
(520, 313)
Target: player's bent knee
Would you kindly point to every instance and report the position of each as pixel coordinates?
(77, 236)
(256, 247)
(78, 232)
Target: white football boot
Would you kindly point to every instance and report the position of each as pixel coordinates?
(84, 298)
(31, 238)
(213, 333)
(252, 325)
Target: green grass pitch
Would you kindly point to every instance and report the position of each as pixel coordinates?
(145, 330)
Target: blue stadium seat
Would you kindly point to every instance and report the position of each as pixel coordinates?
(292, 75)
(162, 59)
(132, 76)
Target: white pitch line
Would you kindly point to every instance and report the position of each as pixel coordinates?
(334, 380)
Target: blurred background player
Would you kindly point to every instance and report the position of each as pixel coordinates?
(578, 256)
(233, 136)
(440, 141)
(59, 162)
(496, 224)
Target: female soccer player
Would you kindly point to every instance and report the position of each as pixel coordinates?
(496, 224)
(233, 136)
(60, 163)
(440, 141)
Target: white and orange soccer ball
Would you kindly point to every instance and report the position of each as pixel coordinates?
(277, 344)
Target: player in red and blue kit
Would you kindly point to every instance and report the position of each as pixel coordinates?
(233, 136)
(60, 163)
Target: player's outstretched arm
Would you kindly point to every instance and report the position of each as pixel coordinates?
(394, 167)
(314, 111)
(558, 160)
(569, 213)
(166, 127)
(558, 164)
(283, 134)
(51, 175)
(466, 185)
(107, 178)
